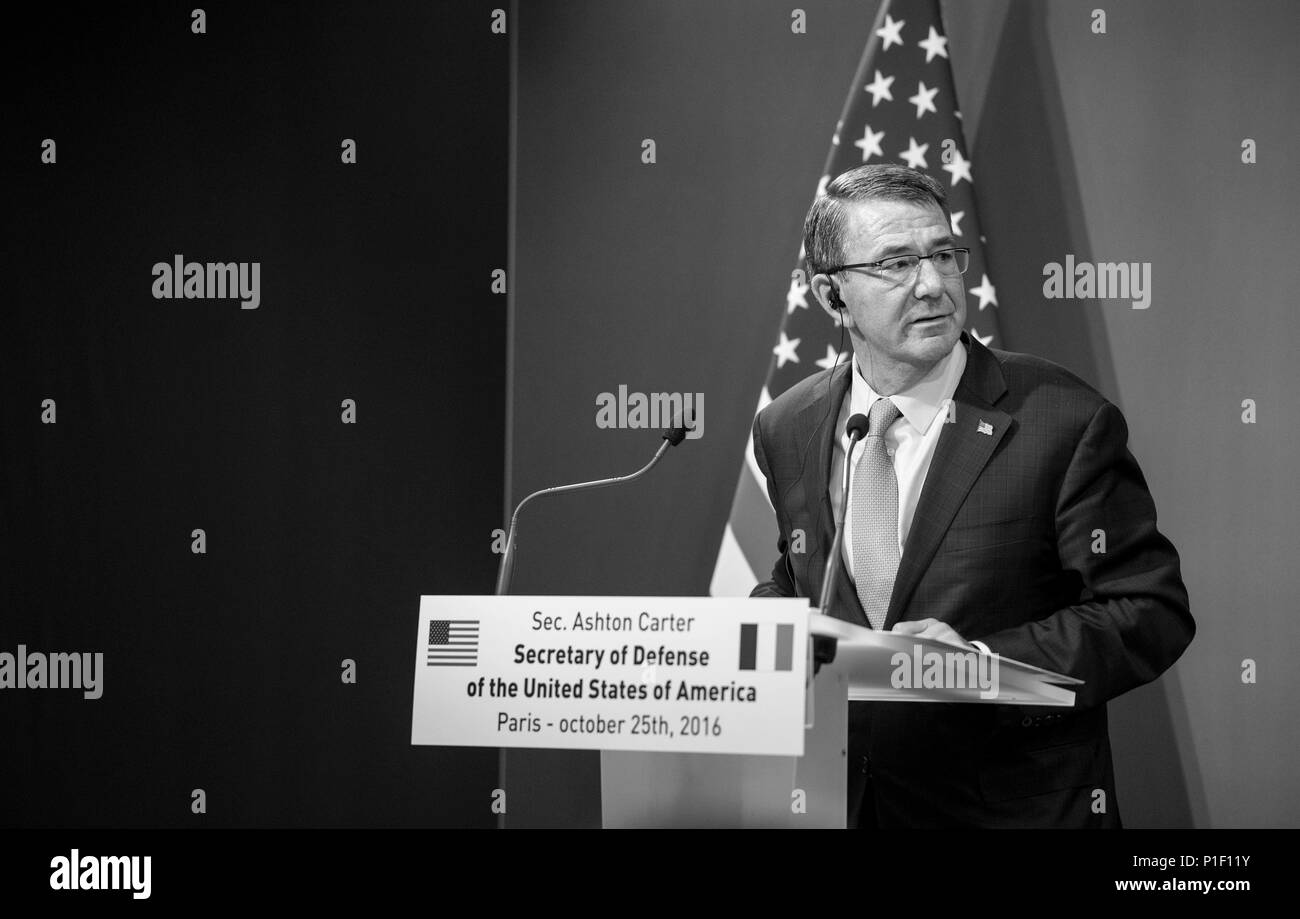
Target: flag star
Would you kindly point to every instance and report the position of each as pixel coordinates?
(879, 89)
(785, 350)
(870, 142)
(986, 292)
(821, 186)
(959, 168)
(797, 296)
(892, 32)
(924, 99)
(984, 340)
(956, 222)
(915, 153)
(936, 44)
(830, 360)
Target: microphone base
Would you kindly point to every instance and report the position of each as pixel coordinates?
(824, 648)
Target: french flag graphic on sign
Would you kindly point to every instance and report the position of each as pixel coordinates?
(766, 646)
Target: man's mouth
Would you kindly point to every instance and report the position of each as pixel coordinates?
(931, 318)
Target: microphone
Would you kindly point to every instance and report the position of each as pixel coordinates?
(671, 438)
(856, 429)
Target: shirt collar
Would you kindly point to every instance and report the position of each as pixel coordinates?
(921, 402)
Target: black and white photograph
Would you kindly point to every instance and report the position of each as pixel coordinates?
(873, 416)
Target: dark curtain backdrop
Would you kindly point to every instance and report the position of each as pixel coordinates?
(223, 670)
(672, 276)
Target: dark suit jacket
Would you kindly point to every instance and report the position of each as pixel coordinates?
(1001, 548)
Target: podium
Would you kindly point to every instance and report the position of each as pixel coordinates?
(721, 790)
(702, 708)
(694, 790)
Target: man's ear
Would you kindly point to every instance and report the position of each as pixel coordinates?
(823, 288)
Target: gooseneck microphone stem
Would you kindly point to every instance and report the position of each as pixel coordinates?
(508, 558)
(856, 429)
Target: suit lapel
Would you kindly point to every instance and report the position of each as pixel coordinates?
(815, 425)
(846, 596)
(964, 449)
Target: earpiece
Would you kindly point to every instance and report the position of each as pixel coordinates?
(834, 298)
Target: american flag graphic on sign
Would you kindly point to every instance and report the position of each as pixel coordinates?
(902, 108)
(453, 643)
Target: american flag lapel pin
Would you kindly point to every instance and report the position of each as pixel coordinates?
(985, 428)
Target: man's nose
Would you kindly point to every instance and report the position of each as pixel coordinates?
(929, 282)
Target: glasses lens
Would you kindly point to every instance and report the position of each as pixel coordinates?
(899, 267)
(950, 262)
(902, 268)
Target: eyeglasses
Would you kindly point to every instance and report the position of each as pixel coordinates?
(900, 268)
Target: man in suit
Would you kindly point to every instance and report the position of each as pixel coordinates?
(993, 503)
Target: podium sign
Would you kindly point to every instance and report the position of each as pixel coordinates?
(672, 674)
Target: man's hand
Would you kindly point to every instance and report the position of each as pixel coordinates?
(932, 628)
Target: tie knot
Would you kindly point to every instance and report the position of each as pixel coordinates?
(883, 414)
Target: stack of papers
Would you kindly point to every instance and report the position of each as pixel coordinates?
(888, 667)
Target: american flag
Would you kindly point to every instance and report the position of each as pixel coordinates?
(453, 643)
(901, 108)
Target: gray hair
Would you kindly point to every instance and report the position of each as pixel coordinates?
(827, 222)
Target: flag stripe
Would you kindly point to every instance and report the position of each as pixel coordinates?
(784, 646)
(748, 644)
(732, 576)
(765, 659)
(764, 400)
(753, 523)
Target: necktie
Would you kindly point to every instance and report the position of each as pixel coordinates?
(875, 517)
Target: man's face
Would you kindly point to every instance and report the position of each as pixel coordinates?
(916, 321)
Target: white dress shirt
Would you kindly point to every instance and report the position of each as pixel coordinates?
(910, 440)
